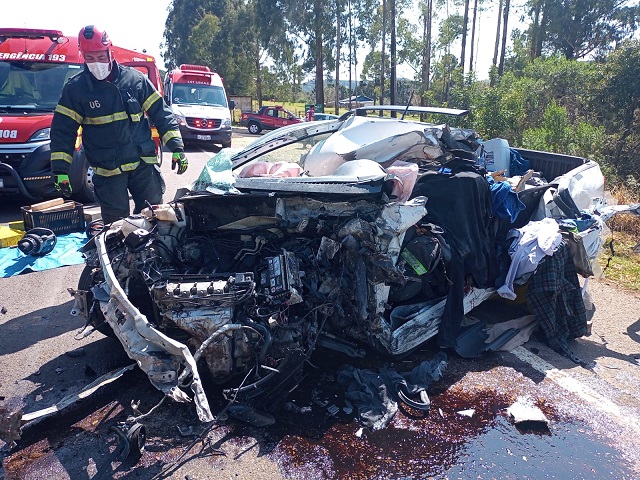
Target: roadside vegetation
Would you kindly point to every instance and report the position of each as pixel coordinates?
(620, 257)
(568, 81)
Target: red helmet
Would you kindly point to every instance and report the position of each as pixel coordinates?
(93, 39)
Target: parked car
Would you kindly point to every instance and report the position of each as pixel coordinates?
(268, 118)
(324, 116)
(366, 232)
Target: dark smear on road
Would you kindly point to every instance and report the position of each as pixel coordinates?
(448, 444)
(308, 442)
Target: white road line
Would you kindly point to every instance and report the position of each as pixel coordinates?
(571, 384)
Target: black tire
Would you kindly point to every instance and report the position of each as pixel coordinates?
(81, 178)
(226, 144)
(89, 277)
(159, 155)
(255, 128)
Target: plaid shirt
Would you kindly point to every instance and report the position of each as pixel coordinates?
(554, 296)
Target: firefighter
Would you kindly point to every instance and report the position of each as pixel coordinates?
(109, 102)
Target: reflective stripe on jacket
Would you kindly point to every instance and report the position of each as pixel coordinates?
(116, 134)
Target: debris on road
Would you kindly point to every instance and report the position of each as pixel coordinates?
(467, 413)
(524, 413)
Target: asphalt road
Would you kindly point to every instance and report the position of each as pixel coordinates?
(594, 413)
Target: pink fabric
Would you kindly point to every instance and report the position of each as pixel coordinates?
(406, 176)
(268, 169)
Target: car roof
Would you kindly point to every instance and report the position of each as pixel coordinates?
(298, 131)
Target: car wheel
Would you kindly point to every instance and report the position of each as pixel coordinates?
(92, 276)
(81, 178)
(226, 144)
(159, 156)
(255, 128)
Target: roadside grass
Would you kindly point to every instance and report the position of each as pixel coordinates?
(620, 256)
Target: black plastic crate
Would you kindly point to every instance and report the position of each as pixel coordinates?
(61, 222)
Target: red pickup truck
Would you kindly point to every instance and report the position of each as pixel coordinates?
(268, 118)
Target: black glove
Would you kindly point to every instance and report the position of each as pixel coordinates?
(178, 159)
(63, 185)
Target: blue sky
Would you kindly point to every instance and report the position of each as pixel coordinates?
(133, 24)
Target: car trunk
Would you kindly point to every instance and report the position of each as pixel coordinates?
(552, 165)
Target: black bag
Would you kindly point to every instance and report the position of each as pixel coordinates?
(423, 267)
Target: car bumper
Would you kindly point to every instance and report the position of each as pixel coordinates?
(222, 135)
(26, 169)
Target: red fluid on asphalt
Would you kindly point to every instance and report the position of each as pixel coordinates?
(446, 444)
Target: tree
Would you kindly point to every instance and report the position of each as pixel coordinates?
(498, 31)
(616, 103)
(207, 32)
(182, 17)
(427, 17)
(473, 34)
(536, 29)
(338, 44)
(465, 29)
(505, 24)
(577, 28)
(450, 31)
(200, 48)
(384, 36)
(307, 21)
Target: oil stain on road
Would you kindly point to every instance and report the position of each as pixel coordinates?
(447, 444)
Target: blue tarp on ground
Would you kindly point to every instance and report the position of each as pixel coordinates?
(14, 262)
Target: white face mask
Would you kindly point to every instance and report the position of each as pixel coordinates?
(99, 70)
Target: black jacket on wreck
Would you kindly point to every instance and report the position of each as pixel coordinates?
(116, 134)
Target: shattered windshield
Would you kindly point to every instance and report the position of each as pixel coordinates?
(189, 94)
(33, 85)
(280, 153)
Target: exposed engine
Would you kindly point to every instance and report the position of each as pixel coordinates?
(252, 296)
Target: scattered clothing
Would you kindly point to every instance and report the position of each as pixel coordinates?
(524, 325)
(531, 244)
(578, 253)
(517, 164)
(505, 202)
(554, 297)
(375, 394)
(460, 203)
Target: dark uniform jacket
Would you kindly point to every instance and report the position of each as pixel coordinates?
(115, 132)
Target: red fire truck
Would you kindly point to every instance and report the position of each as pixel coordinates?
(34, 66)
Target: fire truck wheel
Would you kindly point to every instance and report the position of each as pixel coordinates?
(159, 155)
(81, 178)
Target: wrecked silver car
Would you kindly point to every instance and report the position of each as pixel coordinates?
(364, 232)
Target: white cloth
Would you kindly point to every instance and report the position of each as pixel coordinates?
(533, 242)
